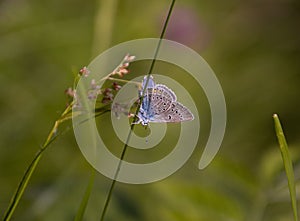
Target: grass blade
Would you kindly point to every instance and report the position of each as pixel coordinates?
(86, 197)
(287, 163)
(22, 185)
(33, 164)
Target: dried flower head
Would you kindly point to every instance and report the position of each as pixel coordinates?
(121, 70)
(116, 86)
(84, 71)
(129, 58)
(94, 85)
(118, 109)
(70, 92)
(95, 88)
(107, 91)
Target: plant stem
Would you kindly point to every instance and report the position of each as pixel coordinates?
(124, 81)
(30, 169)
(103, 26)
(85, 199)
(33, 164)
(132, 125)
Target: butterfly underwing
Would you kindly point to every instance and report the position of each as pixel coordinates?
(159, 104)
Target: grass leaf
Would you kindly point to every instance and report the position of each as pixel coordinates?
(86, 197)
(22, 186)
(287, 164)
(30, 169)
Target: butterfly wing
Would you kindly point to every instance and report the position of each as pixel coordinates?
(160, 105)
(164, 107)
(176, 113)
(166, 92)
(160, 99)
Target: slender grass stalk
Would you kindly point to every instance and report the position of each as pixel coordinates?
(66, 115)
(135, 117)
(287, 164)
(86, 197)
(30, 169)
(103, 25)
(103, 28)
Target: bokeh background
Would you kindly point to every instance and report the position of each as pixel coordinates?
(254, 49)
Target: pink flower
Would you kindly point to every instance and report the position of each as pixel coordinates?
(70, 92)
(186, 27)
(84, 71)
(129, 58)
(116, 86)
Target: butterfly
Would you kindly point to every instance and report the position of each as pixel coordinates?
(159, 104)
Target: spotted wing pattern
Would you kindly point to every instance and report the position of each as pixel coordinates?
(160, 105)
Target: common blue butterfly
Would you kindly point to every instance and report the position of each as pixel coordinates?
(160, 105)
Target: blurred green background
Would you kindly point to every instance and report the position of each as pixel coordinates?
(254, 49)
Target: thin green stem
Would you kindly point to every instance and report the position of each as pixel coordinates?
(116, 174)
(30, 169)
(103, 27)
(124, 81)
(85, 199)
(161, 36)
(33, 164)
(135, 117)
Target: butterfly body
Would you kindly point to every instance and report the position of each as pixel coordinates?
(160, 105)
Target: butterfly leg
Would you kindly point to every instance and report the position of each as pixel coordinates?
(137, 122)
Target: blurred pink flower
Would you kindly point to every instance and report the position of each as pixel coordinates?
(186, 27)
